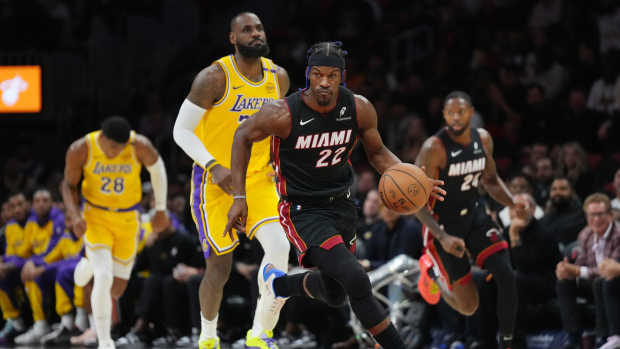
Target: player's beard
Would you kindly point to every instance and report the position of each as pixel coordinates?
(455, 132)
(253, 51)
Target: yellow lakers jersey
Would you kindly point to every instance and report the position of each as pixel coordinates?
(113, 183)
(242, 99)
(17, 242)
(45, 237)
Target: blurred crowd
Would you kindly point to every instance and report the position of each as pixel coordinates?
(544, 76)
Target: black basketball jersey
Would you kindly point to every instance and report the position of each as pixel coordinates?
(313, 161)
(464, 167)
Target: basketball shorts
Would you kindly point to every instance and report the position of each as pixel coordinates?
(319, 224)
(116, 231)
(482, 239)
(210, 205)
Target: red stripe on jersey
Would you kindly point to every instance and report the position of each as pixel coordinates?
(275, 149)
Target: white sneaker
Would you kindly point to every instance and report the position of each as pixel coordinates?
(268, 296)
(34, 334)
(107, 345)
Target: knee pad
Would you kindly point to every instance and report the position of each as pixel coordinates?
(335, 295)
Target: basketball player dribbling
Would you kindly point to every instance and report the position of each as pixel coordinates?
(313, 133)
(462, 157)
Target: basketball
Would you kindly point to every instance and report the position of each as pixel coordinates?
(404, 188)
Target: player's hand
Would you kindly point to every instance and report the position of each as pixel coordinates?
(436, 191)
(160, 221)
(221, 176)
(78, 224)
(237, 216)
(453, 245)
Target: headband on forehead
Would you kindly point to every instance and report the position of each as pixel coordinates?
(326, 61)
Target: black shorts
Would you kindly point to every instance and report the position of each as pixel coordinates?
(323, 224)
(482, 239)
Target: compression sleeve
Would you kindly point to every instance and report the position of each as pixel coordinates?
(183, 133)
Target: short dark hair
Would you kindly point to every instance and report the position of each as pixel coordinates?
(236, 17)
(458, 94)
(327, 48)
(116, 128)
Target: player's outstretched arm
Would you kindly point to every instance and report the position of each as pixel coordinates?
(149, 157)
(274, 119)
(490, 179)
(75, 159)
(430, 159)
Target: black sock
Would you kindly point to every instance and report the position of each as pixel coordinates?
(290, 285)
(390, 339)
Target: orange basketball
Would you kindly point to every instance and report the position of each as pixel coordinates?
(404, 188)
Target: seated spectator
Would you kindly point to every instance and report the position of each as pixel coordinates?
(609, 269)
(519, 184)
(13, 259)
(534, 256)
(598, 241)
(573, 164)
(564, 217)
(159, 302)
(394, 234)
(44, 231)
(370, 211)
(543, 175)
(615, 203)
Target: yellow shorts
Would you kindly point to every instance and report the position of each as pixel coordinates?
(210, 205)
(116, 231)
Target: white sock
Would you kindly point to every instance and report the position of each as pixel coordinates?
(91, 321)
(67, 321)
(100, 299)
(208, 327)
(81, 319)
(276, 246)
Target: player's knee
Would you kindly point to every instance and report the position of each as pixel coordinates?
(336, 298)
(356, 282)
(104, 279)
(216, 274)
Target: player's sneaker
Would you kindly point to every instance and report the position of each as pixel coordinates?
(34, 334)
(269, 298)
(428, 288)
(264, 341)
(9, 332)
(211, 343)
(87, 338)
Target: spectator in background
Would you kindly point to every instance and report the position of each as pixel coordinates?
(533, 153)
(366, 180)
(5, 214)
(615, 203)
(534, 256)
(370, 211)
(605, 92)
(574, 165)
(13, 260)
(394, 234)
(564, 217)
(600, 240)
(609, 269)
(543, 176)
(519, 184)
(412, 129)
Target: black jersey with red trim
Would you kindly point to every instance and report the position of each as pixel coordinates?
(461, 176)
(313, 161)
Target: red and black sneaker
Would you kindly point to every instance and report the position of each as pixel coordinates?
(427, 286)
